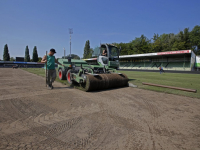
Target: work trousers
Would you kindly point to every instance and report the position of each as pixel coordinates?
(51, 76)
(161, 71)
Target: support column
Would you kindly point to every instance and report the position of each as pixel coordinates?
(184, 62)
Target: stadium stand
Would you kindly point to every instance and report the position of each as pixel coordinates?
(10, 64)
(154, 66)
(182, 60)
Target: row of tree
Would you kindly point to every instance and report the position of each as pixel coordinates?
(35, 58)
(184, 40)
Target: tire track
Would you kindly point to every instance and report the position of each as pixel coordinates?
(47, 133)
(31, 94)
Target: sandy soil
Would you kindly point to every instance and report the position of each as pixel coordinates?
(33, 117)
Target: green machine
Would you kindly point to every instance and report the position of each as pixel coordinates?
(101, 74)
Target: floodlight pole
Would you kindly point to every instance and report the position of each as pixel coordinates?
(70, 32)
(64, 52)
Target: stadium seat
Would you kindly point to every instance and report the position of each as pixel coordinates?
(155, 65)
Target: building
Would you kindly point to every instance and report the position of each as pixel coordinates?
(197, 64)
(9, 64)
(182, 60)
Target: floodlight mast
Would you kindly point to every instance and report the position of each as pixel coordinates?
(70, 32)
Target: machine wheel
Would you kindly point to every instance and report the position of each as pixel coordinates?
(68, 76)
(61, 74)
(104, 81)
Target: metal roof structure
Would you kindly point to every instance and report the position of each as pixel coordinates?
(168, 53)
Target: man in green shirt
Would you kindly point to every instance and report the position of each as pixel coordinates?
(51, 71)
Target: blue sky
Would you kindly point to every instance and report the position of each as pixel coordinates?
(45, 23)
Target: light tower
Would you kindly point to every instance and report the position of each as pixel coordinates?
(64, 52)
(70, 32)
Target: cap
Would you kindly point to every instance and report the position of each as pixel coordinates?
(53, 50)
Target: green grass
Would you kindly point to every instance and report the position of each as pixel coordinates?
(190, 81)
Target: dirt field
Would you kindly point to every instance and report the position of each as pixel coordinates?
(33, 117)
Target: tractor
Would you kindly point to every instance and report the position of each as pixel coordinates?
(101, 74)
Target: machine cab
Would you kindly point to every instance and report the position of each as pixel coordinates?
(109, 55)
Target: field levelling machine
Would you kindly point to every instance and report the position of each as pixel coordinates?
(99, 75)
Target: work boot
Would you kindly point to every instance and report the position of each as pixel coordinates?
(49, 86)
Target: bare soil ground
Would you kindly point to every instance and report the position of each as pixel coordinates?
(33, 117)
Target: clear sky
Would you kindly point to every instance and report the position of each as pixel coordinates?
(45, 23)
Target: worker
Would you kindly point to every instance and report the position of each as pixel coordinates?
(51, 72)
(161, 70)
(104, 52)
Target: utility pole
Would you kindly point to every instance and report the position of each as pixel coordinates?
(70, 32)
(64, 52)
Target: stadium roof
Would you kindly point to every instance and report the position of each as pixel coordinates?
(157, 54)
(19, 62)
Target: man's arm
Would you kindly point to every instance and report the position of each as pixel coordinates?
(103, 53)
(58, 62)
(44, 59)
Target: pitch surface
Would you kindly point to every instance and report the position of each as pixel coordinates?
(33, 117)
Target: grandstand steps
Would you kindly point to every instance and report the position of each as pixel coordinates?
(179, 66)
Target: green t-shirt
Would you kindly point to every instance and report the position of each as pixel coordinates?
(50, 62)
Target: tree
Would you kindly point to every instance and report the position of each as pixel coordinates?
(138, 46)
(195, 39)
(156, 45)
(6, 55)
(123, 48)
(186, 38)
(87, 50)
(27, 56)
(90, 53)
(144, 44)
(73, 56)
(12, 59)
(35, 54)
(39, 59)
